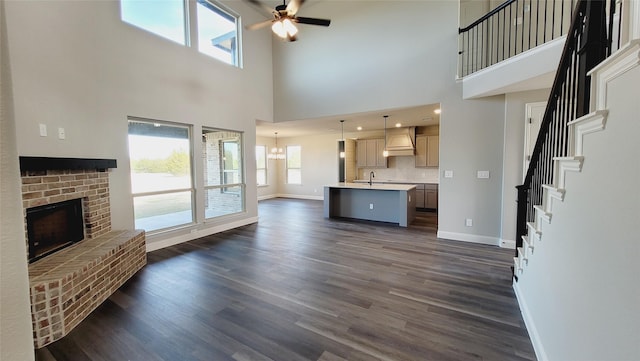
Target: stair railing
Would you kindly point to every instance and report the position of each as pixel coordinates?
(589, 41)
(511, 28)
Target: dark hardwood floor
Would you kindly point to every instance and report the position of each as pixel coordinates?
(297, 286)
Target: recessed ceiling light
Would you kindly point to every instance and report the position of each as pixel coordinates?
(398, 125)
(437, 111)
(359, 128)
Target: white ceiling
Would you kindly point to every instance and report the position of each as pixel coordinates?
(412, 116)
(369, 121)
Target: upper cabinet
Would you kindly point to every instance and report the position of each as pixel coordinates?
(427, 150)
(369, 153)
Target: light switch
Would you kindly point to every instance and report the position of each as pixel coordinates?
(61, 133)
(468, 222)
(43, 130)
(448, 174)
(483, 174)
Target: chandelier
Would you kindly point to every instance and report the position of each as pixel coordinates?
(276, 153)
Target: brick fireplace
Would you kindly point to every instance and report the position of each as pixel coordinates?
(67, 285)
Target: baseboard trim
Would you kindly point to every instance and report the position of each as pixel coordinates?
(472, 238)
(268, 196)
(507, 243)
(301, 196)
(197, 233)
(534, 336)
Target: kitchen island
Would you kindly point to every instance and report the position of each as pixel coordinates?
(394, 203)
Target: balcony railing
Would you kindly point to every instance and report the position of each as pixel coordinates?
(510, 29)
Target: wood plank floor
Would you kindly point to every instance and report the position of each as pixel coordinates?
(297, 286)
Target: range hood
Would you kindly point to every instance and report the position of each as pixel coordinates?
(401, 141)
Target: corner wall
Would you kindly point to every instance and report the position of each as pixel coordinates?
(16, 342)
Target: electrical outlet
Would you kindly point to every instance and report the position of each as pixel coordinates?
(370, 205)
(483, 174)
(43, 130)
(448, 174)
(468, 222)
(61, 133)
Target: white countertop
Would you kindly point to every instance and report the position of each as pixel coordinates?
(375, 186)
(393, 181)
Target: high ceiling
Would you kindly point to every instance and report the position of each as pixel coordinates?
(412, 116)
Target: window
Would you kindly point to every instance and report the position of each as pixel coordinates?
(218, 29)
(223, 178)
(161, 180)
(294, 164)
(261, 165)
(217, 32)
(164, 18)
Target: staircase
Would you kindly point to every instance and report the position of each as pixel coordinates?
(614, 66)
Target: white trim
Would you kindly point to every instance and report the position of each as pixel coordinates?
(268, 196)
(634, 17)
(617, 64)
(300, 196)
(588, 123)
(507, 243)
(472, 238)
(198, 233)
(534, 336)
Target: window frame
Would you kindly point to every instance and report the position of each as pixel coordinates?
(191, 188)
(222, 11)
(266, 166)
(226, 188)
(287, 156)
(191, 29)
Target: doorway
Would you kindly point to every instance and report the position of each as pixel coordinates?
(533, 120)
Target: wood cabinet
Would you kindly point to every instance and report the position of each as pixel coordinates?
(420, 195)
(431, 196)
(427, 150)
(427, 196)
(369, 153)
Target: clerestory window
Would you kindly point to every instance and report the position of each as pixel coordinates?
(217, 29)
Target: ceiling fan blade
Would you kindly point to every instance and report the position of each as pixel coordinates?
(294, 6)
(261, 6)
(259, 25)
(312, 21)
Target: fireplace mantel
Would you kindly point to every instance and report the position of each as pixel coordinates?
(49, 163)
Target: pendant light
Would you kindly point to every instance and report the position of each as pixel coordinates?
(276, 153)
(385, 152)
(342, 152)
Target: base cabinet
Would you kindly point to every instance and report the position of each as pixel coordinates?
(427, 196)
(431, 196)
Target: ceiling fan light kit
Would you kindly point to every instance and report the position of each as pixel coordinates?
(284, 19)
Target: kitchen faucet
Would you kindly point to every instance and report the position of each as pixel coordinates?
(371, 175)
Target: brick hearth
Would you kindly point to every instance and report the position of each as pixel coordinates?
(69, 284)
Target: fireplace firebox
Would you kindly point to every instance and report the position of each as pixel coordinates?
(53, 227)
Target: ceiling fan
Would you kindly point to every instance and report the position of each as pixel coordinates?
(284, 19)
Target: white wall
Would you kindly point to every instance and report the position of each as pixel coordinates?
(319, 165)
(514, 125)
(93, 71)
(580, 290)
(16, 342)
(391, 54)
